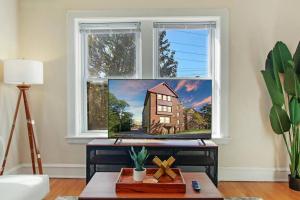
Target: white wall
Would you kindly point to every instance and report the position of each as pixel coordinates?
(8, 94)
(255, 26)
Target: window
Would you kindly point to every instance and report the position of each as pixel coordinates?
(196, 43)
(190, 50)
(159, 108)
(178, 122)
(167, 120)
(169, 98)
(164, 120)
(185, 49)
(165, 108)
(169, 109)
(109, 50)
(177, 114)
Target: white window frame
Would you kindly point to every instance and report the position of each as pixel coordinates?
(147, 17)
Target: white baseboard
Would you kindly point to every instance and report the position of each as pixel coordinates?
(225, 173)
(53, 170)
(253, 174)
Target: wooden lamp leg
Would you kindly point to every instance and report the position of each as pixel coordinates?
(32, 141)
(11, 133)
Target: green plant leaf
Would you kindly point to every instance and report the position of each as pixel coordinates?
(275, 94)
(275, 73)
(291, 82)
(294, 106)
(296, 59)
(280, 121)
(281, 55)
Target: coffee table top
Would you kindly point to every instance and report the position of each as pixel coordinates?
(102, 186)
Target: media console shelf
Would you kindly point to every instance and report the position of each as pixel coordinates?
(104, 155)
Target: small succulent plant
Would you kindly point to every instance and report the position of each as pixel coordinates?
(139, 158)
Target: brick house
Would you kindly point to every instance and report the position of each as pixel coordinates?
(163, 112)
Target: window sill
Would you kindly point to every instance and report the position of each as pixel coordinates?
(222, 141)
(83, 139)
(86, 139)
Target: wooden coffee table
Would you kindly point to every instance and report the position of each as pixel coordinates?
(102, 186)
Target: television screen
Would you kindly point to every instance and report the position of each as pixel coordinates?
(156, 108)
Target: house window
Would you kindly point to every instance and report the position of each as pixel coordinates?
(108, 50)
(165, 108)
(158, 96)
(198, 49)
(169, 98)
(159, 108)
(164, 120)
(190, 50)
(177, 114)
(167, 120)
(178, 122)
(185, 49)
(169, 109)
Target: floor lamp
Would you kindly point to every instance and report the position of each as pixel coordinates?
(24, 73)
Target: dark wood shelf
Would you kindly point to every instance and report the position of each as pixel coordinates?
(104, 155)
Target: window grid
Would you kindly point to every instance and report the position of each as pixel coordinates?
(87, 79)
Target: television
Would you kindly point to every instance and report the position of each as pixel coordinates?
(160, 109)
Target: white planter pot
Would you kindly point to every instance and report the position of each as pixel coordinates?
(139, 175)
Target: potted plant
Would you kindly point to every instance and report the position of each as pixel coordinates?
(282, 78)
(139, 160)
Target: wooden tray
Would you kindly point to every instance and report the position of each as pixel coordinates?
(125, 182)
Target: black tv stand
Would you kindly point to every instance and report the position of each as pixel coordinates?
(109, 155)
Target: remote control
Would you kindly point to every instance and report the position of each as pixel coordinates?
(196, 186)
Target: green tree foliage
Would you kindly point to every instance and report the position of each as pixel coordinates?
(97, 106)
(207, 115)
(168, 65)
(199, 120)
(109, 55)
(119, 119)
(112, 54)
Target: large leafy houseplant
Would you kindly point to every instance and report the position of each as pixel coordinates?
(282, 78)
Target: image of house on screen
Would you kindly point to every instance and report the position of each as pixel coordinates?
(163, 112)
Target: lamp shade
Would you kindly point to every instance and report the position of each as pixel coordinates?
(20, 71)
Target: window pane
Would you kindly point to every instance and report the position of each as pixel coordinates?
(169, 109)
(161, 119)
(159, 108)
(169, 98)
(183, 52)
(167, 120)
(97, 106)
(112, 54)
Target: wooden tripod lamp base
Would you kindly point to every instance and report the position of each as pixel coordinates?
(34, 151)
(21, 71)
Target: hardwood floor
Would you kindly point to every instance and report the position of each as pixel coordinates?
(265, 190)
